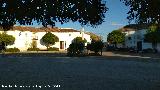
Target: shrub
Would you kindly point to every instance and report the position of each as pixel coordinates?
(75, 49)
(33, 49)
(53, 49)
(12, 50)
(77, 46)
(95, 46)
(79, 40)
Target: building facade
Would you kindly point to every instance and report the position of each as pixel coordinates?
(134, 38)
(24, 36)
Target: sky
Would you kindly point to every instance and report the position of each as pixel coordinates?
(115, 19)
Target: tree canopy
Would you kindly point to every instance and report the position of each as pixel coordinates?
(76, 47)
(79, 40)
(96, 46)
(94, 36)
(153, 34)
(47, 12)
(143, 11)
(116, 37)
(49, 39)
(7, 39)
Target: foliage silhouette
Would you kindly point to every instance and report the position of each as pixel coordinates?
(76, 47)
(153, 36)
(47, 12)
(95, 46)
(143, 11)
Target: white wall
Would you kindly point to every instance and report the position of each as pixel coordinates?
(66, 37)
(158, 47)
(132, 42)
(23, 40)
(136, 36)
(146, 45)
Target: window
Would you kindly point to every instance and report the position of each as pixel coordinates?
(20, 33)
(129, 38)
(26, 34)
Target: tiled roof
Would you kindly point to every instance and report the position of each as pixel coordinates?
(137, 26)
(134, 27)
(68, 30)
(127, 29)
(42, 29)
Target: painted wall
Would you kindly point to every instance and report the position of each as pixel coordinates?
(137, 36)
(23, 40)
(158, 47)
(130, 42)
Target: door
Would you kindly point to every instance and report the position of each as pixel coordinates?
(61, 44)
(139, 46)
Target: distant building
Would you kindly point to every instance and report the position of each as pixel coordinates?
(25, 35)
(135, 37)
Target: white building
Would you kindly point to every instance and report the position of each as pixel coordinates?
(135, 37)
(25, 35)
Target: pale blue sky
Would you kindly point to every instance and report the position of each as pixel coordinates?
(115, 18)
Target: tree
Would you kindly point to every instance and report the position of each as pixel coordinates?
(116, 37)
(153, 35)
(143, 11)
(96, 46)
(49, 39)
(6, 39)
(76, 47)
(94, 36)
(79, 40)
(47, 12)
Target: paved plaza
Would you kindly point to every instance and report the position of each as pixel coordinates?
(79, 73)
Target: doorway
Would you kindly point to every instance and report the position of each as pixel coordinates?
(61, 44)
(139, 46)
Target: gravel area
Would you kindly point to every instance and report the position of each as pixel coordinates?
(79, 73)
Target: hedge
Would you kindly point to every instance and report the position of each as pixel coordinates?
(12, 50)
(33, 49)
(53, 49)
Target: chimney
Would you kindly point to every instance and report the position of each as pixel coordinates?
(82, 32)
